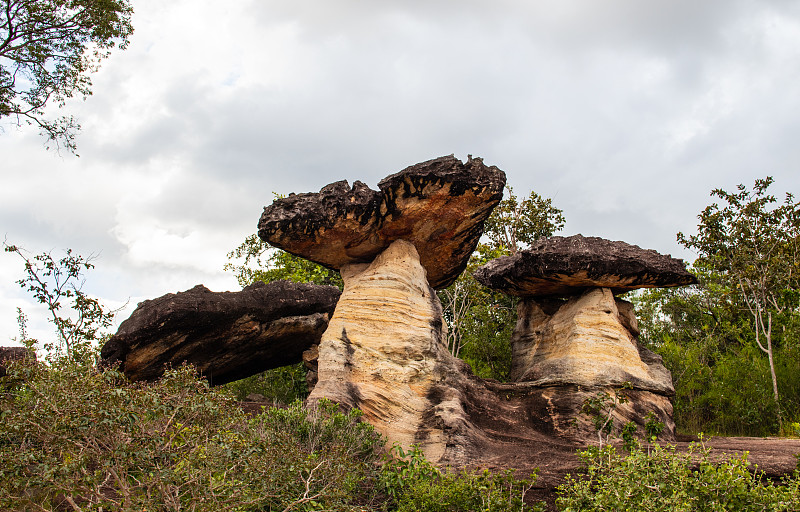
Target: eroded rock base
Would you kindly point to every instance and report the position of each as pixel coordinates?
(583, 348)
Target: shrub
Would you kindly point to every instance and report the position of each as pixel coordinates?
(414, 485)
(662, 480)
(73, 438)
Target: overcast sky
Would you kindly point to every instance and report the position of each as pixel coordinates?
(627, 113)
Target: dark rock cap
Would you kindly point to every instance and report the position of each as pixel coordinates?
(564, 266)
(226, 335)
(439, 206)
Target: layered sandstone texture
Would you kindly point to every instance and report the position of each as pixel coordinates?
(439, 206)
(583, 341)
(228, 336)
(573, 339)
(384, 352)
(565, 266)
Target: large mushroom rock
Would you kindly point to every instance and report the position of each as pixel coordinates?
(227, 336)
(439, 206)
(564, 266)
(573, 335)
(384, 352)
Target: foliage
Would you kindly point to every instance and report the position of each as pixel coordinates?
(662, 480)
(414, 485)
(280, 385)
(262, 262)
(713, 336)
(600, 409)
(515, 223)
(73, 437)
(48, 48)
(54, 283)
(751, 247)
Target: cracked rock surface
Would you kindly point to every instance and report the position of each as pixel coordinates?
(565, 266)
(439, 206)
(227, 335)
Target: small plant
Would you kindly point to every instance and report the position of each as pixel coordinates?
(628, 434)
(600, 408)
(415, 485)
(662, 480)
(653, 428)
(53, 282)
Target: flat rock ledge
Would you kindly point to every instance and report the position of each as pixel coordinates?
(566, 266)
(227, 335)
(439, 206)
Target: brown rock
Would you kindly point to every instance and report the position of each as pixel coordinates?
(565, 266)
(384, 352)
(227, 336)
(439, 206)
(582, 342)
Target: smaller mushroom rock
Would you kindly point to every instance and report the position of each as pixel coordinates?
(564, 266)
(582, 341)
(439, 206)
(227, 336)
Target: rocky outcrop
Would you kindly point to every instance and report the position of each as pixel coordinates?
(582, 341)
(439, 206)
(574, 340)
(227, 336)
(564, 266)
(384, 352)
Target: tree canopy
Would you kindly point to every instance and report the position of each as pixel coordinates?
(48, 49)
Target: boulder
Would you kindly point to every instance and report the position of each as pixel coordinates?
(439, 206)
(227, 336)
(564, 266)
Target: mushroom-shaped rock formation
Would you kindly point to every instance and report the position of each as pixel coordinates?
(439, 206)
(571, 331)
(385, 352)
(564, 266)
(227, 336)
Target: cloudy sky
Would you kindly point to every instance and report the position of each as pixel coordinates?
(627, 113)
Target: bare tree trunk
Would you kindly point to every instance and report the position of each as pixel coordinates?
(772, 367)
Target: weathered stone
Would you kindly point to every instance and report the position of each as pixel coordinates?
(384, 352)
(13, 354)
(565, 266)
(439, 206)
(583, 342)
(227, 336)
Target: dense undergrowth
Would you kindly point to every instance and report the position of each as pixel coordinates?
(73, 438)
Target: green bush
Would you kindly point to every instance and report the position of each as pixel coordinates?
(414, 485)
(661, 480)
(279, 386)
(73, 438)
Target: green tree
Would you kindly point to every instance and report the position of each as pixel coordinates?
(480, 321)
(256, 260)
(48, 48)
(56, 283)
(515, 223)
(751, 244)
